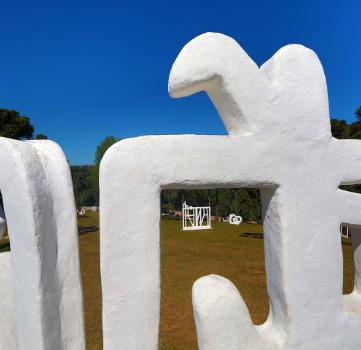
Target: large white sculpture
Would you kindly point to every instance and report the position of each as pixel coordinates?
(41, 305)
(279, 140)
(195, 216)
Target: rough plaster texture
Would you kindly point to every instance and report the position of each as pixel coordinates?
(40, 287)
(279, 140)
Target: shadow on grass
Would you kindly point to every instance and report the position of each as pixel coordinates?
(84, 230)
(5, 245)
(84, 216)
(253, 235)
(347, 243)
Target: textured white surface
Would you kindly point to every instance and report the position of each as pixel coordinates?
(38, 197)
(279, 140)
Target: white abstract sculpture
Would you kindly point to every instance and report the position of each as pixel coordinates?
(279, 114)
(41, 304)
(196, 216)
(234, 219)
(81, 212)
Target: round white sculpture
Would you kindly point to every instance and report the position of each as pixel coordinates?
(234, 219)
(94, 208)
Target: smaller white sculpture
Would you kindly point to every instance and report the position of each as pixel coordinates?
(93, 208)
(234, 219)
(196, 215)
(81, 212)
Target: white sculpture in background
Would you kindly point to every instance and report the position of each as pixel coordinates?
(94, 208)
(41, 299)
(234, 219)
(278, 113)
(81, 212)
(196, 216)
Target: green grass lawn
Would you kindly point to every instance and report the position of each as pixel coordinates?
(234, 252)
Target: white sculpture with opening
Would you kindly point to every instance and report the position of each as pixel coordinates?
(278, 122)
(234, 219)
(195, 216)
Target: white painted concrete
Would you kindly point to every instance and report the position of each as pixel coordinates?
(279, 140)
(38, 197)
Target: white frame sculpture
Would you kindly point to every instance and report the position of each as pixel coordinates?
(234, 219)
(195, 215)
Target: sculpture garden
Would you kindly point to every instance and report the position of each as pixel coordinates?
(151, 272)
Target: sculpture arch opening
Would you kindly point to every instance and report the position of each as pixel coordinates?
(350, 232)
(351, 249)
(232, 251)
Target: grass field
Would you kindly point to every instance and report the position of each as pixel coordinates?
(234, 252)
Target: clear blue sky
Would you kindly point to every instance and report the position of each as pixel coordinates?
(83, 70)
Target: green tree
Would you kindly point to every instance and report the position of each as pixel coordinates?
(13, 126)
(102, 148)
(41, 137)
(338, 127)
(358, 113)
(99, 153)
(85, 191)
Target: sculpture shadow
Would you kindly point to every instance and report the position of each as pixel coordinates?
(88, 229)
(253, 235)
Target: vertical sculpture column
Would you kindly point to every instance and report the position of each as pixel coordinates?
(38, 197)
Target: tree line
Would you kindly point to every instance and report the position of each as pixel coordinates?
(223, 201)
(245, 202)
